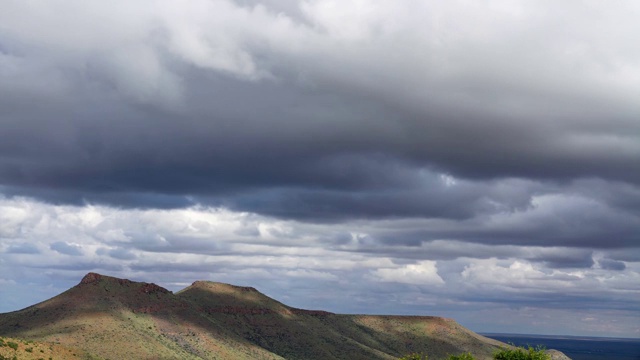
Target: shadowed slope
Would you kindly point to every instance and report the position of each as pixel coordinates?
(307, 334)
(114, 318)
(289, 332)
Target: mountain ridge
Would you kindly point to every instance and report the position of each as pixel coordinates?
(211, 320)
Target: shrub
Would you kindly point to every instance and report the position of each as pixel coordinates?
(414, 356)
(12, 345)
(520, 353)
(465, 356)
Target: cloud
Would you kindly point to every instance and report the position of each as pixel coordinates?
(22, 248)
(321, 143)
(308, 74)
(177, 246)
(67, 249)
(609, 264)
(562, 258)
(515, 276)
(423, 273)
(117, 253)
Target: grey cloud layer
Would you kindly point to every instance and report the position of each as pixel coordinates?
(169, 106)
(420, 136)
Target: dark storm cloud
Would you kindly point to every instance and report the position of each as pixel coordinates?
(307, 140)
(559, 260)
(118, 199)
(550, 220)
(403, 152)
(345, 144)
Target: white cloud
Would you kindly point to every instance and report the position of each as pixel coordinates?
(182, 245)
(423, 273)
(310, 274)
(523, 277)
(514, 275)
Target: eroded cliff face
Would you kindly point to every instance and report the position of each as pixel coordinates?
(110, 317)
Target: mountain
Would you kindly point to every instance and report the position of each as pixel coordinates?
(109, 318)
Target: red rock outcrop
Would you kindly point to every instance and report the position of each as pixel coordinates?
(91, 278)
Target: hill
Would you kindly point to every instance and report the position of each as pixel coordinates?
(109, 318)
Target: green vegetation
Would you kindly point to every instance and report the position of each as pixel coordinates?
(414, 356)
(12, 345)
(520, 353)
(465, 356)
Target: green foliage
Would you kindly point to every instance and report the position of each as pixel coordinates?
(520, 353)
(465, 356)
(29, 349)
(12, 345)
(414, 356)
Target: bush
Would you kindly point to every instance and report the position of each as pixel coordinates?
(465, 356)
(520, 353)
(414, 356)
(12, 345)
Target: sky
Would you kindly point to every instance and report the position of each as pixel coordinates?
(478, 160)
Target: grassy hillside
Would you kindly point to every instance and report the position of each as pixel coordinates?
(303, 334)
(19, 349)
(110, 318)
